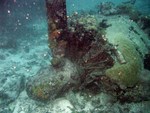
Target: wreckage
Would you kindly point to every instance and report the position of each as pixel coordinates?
(83, 58)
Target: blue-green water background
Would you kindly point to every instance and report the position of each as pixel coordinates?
(34, 10)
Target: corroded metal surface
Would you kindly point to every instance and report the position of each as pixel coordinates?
(57, 25)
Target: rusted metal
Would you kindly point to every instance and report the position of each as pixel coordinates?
(57, 25)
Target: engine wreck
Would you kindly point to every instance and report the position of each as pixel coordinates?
(87, 58)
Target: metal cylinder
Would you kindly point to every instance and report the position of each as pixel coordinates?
(57, 25)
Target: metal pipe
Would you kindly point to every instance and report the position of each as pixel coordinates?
(57, 25)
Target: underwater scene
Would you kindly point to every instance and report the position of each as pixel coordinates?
(74, 56)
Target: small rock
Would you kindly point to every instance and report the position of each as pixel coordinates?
(62, 106)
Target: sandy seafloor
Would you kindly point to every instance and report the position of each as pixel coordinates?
(32, 55)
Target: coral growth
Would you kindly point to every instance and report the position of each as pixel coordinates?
(128, 73)
(107, 8)
(89, 22)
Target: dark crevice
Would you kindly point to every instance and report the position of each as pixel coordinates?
(147, 61)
